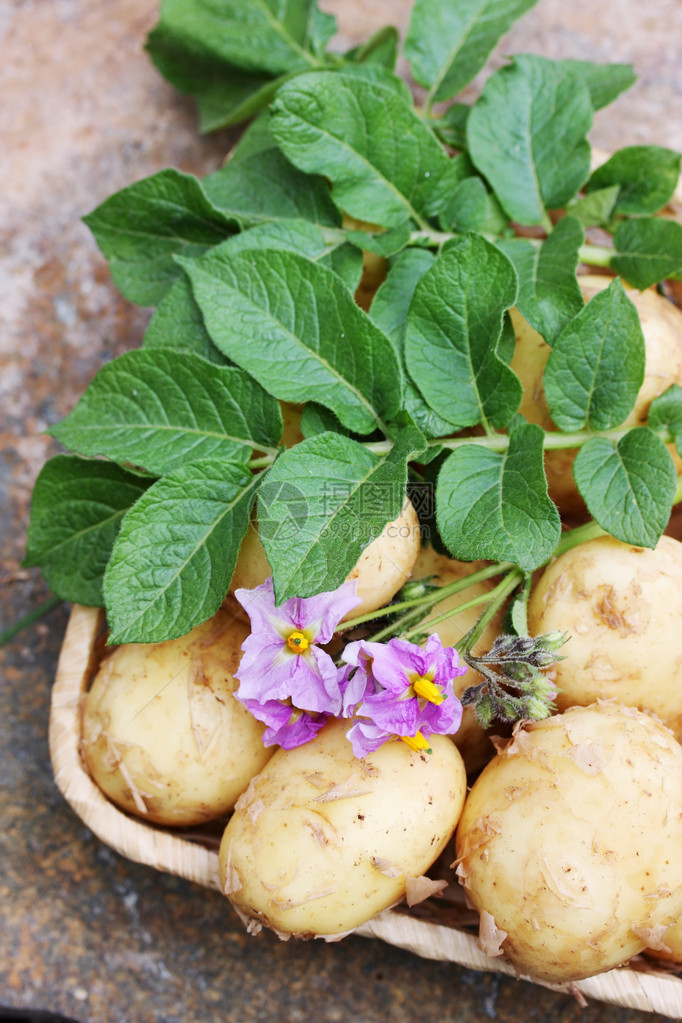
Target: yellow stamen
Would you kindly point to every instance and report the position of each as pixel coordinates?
(417, 743)
(428, 690)
(297, 642)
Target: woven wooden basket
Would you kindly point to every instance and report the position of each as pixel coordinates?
(640, 986)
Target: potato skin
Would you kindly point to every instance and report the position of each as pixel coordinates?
(383, 567)
(661, 323)
(470, 739)
(622, 607)
(322, 841)
(163, 735)
(570, 840)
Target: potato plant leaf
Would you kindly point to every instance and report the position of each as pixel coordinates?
(595, 209)
(447, 43)
(161, 409)
(325, 246)
(646, 177)
(293, 325)
(549, 293)
(177, 324)
(453, 327)
(175, 554)
(665, 411)
(526, 135)
(142, 227)
(261, 36)
(363, 133)
(389, 311)
(323, 502)
(604, 81)
(628, 487)
(76, 512)
(265, 186)
(596, 366)
(494, 505)
(381, 48)
(224, 94)
(648, 249)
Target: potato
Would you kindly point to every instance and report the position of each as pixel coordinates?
(569, 842)
(163, 735)
(321, 841)
(662, 328)
(471, 740)
(383, 567)
(622, 607)
(374, 267)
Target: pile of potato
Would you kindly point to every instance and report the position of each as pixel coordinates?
(568, 839)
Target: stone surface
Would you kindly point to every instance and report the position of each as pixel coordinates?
(83, 931)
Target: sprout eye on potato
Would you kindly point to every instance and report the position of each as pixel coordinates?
(163, 735)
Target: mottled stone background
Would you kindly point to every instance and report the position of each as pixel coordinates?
(83, 113)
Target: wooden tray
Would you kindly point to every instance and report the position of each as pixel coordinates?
(639, 986)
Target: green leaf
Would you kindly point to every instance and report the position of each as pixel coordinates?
(317, 419)
(383, 243)
(272, 36)
(596, 367)
(468, 208)
(380, 48)
(526, 135)
(389, 311)
(665, 412)
(549, 293)
(224, 94)
(628, 487)
(646, 175)
(604, 81)
(142, 227)
(178, 324)
(648, 250)
(448, 43)
(328, 247)
(76, 512)
(159, 410)
(322, 503)
(595, 209)
(176, 551)
(452, 331)
(294, 327)
(494, 505)
(451, 128)
(265, 187)
(363, 134)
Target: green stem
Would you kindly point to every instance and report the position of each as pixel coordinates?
(497, 598)
(552, 441)
(429, 600)
(33, 616)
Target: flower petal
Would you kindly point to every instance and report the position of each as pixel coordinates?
(259, 604)
(321, 614)
(366, 737)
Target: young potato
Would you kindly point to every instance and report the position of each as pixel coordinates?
(662, 328)
(383, 567)
(163, 735)
(569, 842)
(470, 739)
(622, 607)
(322, 841)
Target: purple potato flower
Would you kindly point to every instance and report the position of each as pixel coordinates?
(285, 679)
(401, 689)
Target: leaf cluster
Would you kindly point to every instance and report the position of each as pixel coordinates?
(252, 273)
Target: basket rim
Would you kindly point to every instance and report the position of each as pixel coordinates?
(646, 989)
